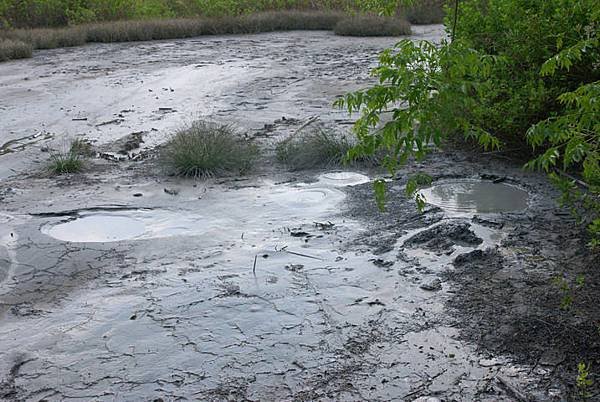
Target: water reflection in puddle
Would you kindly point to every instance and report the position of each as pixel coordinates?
(107, 226)
(97, 229)
(219, 215)
(342, 179)
(477, 197)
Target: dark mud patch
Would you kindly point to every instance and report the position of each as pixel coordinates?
(442, 238)
(504, 300)
(510, 304)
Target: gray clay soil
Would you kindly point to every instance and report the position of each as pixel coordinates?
(121, 283)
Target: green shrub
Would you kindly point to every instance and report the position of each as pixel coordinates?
(372, 25)
(519, 72)
(317, 148)
(206, 150)
(53, 13)
(14, 49)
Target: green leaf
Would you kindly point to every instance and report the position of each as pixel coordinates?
(380, 194)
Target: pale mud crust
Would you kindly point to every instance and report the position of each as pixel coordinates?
(275, 286)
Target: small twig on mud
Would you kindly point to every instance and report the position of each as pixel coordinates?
(512, 390)
(576, 180)
(302, 127)
(500, 151)
(303, 255)
(254, 267)
(421, 388)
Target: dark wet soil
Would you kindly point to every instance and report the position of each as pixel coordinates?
(509, 298)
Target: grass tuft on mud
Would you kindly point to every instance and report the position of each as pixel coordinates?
(72, 159)
(205, 150)
(372, 25)
(14, 49)
(65, 163)
(316, 148)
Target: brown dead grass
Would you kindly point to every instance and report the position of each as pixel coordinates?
(14, 49)
(146, 30)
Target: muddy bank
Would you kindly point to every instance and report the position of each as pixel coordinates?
(122, 283)
(508, 296)
(105, 92)
(288, 287)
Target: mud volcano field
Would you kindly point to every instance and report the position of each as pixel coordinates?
(121, 283)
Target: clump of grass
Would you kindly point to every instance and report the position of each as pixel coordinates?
(71, 159)
(372, 25)
(65, 162)
(317, 148)
(206, 150)
(14, 49)
(289, 21)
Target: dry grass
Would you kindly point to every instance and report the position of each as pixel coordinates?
(372, 25)
(14, 49)
(146, 30)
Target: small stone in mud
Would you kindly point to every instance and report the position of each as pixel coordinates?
(552, 358)
(272, 279)
(382, 263)
(488, 223)
(299, 234)
(432, 286)
(468, 257)
(294, 267)
(489, 362)
(138, 195)
(324, 226)
(376, 302)
(442, 238)
(171, 191)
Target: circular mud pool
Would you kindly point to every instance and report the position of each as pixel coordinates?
(97, 228)
(342, 179)
(477, 197)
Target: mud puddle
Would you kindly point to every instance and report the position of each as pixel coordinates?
(472, 197)
(244, 210)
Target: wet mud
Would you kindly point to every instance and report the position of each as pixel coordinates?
(122, 283)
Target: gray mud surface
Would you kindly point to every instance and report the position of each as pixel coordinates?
(121, 283)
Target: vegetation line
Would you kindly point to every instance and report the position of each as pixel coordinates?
(19, 43)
